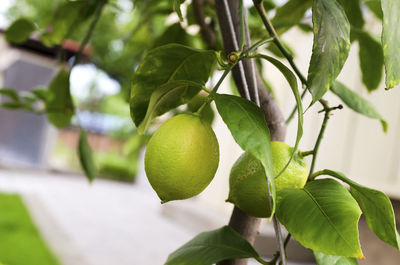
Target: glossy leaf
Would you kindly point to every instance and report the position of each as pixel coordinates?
(208, 248)
(247, 125)
(296, 8)
(59, 105)
(391, 41)
(322, 216)
(19, 31)
(164, 64)
(357, 103)
(291, 78)
(10, 93)
(323, 259)
(330, 48)
(371, 59)
(353, 12)
(86, 156)
(170, 95)
(376, 207)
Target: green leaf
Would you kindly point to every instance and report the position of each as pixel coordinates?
(59, 106)
(10, 93)
(177, 8)
(41, 94)
(86, 156)
(13, 105)
(323, 259)
(211, 247)
(375, 7)
(19, 31)
(371, 59)
(291, 78)
(376, 207)
(353, 12)
(248, 127)
(331, 46)
(168, 96)
(357, 103)
(322, 216)
(391, 41)
(290, 14)
(164, 64)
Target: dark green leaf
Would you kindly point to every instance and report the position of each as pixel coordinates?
(371, 59)
(163, 64)
(322, 216)
(376, 207)
(353, 12)
(375, 7)
(86, 156)
(357, 103)
(13, 105)
(391, 41)
(168, 96)
(290, 14)
(177, 8)
(10, 93)
(41, 94)
(59, 106)
(323, 259)
(331, 46)
(291, 78)
(248, 127)
(19, 31)
(211, 247)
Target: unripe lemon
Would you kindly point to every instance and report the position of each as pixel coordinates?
(182, 157)
(248, 185)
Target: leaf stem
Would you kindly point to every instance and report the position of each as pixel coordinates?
(306, 153)
(260, 260)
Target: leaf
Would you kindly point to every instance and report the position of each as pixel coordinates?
(41, 94)
(391, 41)
(291, 78)
(247, 125)
(86, 156)
(13, 105)
(331, 46)
(323, 259)
(170, 95)
(177, 8)
(371, 59)
(211, 247)
(357, 103)
(290, 14)
(59, 106)
(322, 216)
(376, 207)
(375, 7)
(19, 31)
(353, 12)
(10, 93)
(163, 64)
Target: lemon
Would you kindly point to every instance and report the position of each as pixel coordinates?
(182, 157)
(248, 185)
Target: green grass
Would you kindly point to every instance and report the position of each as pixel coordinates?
(20, 241)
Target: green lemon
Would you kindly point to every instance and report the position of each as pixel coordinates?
(182, 157)
(248, 185)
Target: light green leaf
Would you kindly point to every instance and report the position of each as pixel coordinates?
(10, 93)
(371, 59)
(13, 105)
(357, 103)
(164, 64)
(322, 216)
(248, 127)
(19, 31)
(59, 105)
(331, 46)
(86, 156)
(212, 247)
(323, 259)
(353, 12)
(291, 78)
(168, 96)
(376, 207)
(375, 7)
(391, 41)
(290, 14)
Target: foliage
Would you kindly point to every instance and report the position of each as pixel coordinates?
(20, 241)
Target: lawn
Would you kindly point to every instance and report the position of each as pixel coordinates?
(20, 241)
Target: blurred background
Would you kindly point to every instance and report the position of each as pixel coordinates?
(118, 218)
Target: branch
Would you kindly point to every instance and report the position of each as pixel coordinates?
(206, 30)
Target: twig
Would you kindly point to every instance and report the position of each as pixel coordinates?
(206, 30)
